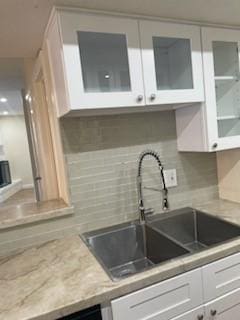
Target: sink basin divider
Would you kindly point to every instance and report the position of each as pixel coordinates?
(169, 237)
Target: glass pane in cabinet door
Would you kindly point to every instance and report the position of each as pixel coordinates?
(225, 55)
(173, 63)
(226, 69)
(104, 60)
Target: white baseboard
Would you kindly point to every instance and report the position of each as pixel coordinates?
(28, 186)
(9, 190)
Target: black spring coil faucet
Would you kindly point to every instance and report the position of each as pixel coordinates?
(141, 207)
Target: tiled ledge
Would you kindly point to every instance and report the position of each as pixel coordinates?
(15, 215)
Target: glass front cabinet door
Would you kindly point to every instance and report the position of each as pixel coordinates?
(222, 86)
(102, 60)
(172, 62)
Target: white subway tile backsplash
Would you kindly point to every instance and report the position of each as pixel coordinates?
(102, 154)
(108, 167)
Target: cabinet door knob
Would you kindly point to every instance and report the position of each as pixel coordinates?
(215, 145)
(140, 98)
(213, 312)
(200, 317)
(152, 97)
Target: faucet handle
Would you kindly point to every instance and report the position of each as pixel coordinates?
(149, 211)
(165, 204)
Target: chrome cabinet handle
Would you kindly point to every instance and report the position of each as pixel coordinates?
(213, 312)
(152, 97)
(200, 317)
(140, 98)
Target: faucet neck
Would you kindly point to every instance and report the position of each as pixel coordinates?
(165, 204)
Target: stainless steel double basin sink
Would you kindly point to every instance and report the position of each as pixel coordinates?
(126, 249)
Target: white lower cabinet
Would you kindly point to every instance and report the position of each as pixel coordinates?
(221, 277)
(161, 301)
(195, 314)
(225, 308)
(210, 292)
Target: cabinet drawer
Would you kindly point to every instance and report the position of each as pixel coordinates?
(221, 277)
(161, 301)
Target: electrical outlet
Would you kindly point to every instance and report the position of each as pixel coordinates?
(170, 178)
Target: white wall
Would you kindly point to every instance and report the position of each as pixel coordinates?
(14, 137)
(2, 157)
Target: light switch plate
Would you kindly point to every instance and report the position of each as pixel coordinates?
(170, 178)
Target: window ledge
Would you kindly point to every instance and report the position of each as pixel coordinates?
(16, 215)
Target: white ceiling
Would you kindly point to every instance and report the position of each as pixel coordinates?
(22, 22)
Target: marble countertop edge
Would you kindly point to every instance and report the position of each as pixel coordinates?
(15, 220)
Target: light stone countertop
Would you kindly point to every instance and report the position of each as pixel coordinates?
(29, 212)
(62, 276)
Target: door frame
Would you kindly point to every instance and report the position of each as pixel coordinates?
(31, 144)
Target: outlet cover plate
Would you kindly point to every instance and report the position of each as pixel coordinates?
(170, 178)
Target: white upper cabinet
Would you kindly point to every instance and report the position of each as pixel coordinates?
(216, 123)
(102, 61)
(97, 62)
(172, 62)
(221, 66)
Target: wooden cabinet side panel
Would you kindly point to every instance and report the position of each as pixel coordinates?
(61, 170)
(54, 49)
(228, 168)
(44, 144)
